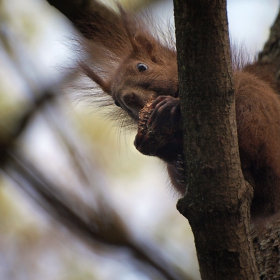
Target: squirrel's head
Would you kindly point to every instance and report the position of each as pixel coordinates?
(136, 68)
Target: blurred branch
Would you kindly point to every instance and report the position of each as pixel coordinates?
(103, 226)
(71, 210)
(8, 142)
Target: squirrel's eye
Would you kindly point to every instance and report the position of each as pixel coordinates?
(142, 67)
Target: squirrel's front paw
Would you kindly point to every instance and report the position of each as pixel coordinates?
(159, 128)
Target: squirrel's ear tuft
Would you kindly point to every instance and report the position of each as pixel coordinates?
(148, 46)
(129, 26)
(136, 33)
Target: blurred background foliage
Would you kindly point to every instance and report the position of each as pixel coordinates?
(68, 149)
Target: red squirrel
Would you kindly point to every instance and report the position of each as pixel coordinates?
(138, 71)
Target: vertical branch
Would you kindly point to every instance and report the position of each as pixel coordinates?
(217, 200)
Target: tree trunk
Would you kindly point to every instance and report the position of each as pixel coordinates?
(217, 201)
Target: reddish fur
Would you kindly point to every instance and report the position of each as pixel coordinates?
(113, 57)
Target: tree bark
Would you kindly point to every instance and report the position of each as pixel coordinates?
(217, 201)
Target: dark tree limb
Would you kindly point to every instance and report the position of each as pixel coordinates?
(271, 50)
(217, 201)
(79, 12)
